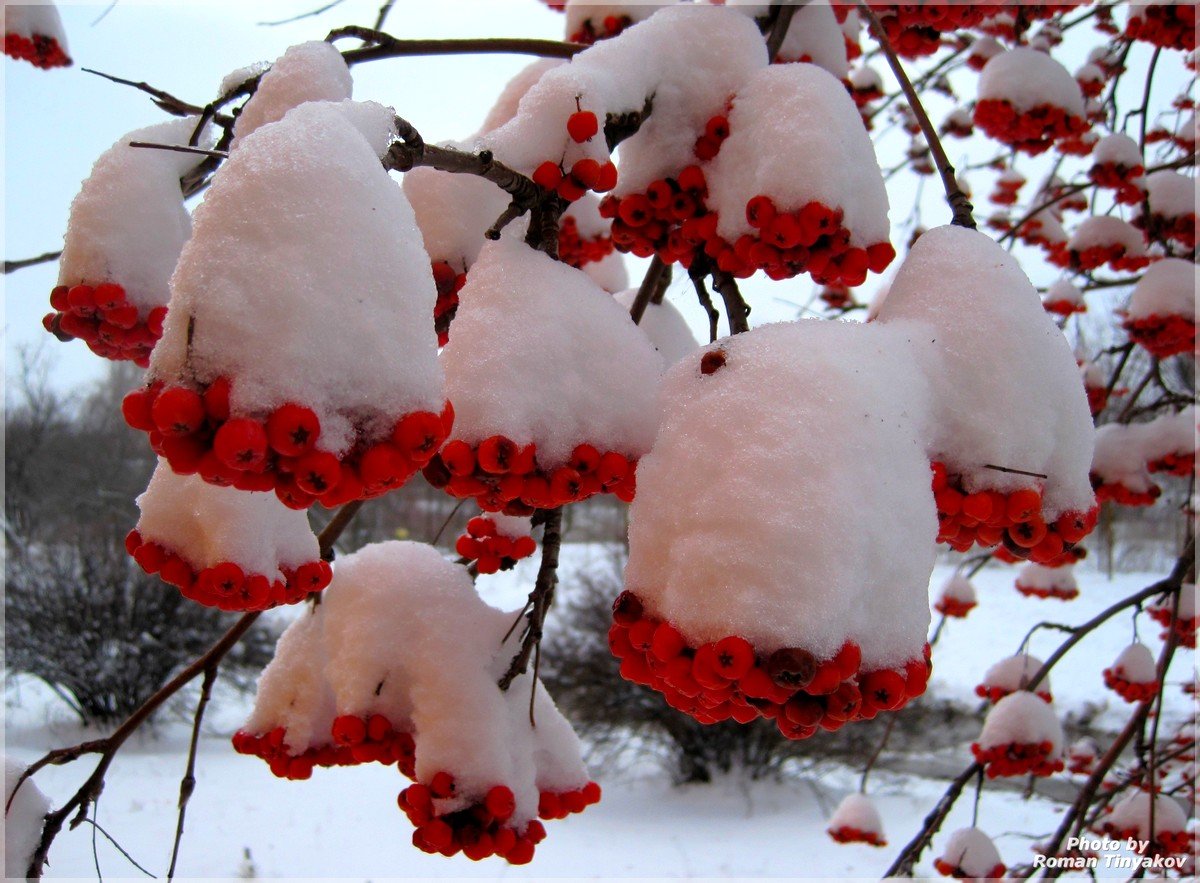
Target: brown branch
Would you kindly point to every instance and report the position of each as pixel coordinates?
(887, 734)
(383, 14)
(163, 100)
(110, 746)
(386, 46)
(45, 258)
(654, 282)
(180, 148)
(736, 308)
(960, 205)
(188, 783)
(312, 13)
(908, 857)
(697, 277)
(540, 598)
(777, 30)
(1013, 471)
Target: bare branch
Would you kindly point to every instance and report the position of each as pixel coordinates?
(310, 14)
(47, 257)
(540, 598)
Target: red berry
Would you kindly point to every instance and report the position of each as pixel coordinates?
(441, 785)
(419, 434)
(348, 729)
(735, 656)
(500, 802)
(136, 409)
(496, 454)
(458, 458)
(292, 429)
(586, 171)
(317, 472)
(177, 412)
(383, 467)
(582, 125)
(241, 444)
(547, 175)
(607, 178)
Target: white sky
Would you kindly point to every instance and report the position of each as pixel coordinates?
(57, 123)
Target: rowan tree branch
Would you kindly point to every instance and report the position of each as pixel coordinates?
(45, 258)
(655, 282)
(540, 598)
(386, 46)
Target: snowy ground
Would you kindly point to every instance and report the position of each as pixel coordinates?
(344, 823)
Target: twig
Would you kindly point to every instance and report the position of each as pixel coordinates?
(960, 205)
(705, 301)
(1146, 104)
(310, 14)
(736, 308)
(540, 598)
(109, 837)
(1009, 469)
(911, 853)
(887, 734)
(652, 283)
(180, 148)
(778, 28)
(383, 14)
(44, 258)
(188, 783)
(387, 46)
(163, 100)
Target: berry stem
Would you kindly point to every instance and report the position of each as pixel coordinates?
(736, 309)
(540, 598)
(960, 205)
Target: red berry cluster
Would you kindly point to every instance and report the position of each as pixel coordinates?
(491, 550)
(946, 869)
(354, 740)
(1123, 495)
(196, 434)
(1114, 254)
(1165, 842)
(1169, 25)
(1091, 86)
(809, 239)
(958, 128)
(708, 145)
(1185, 627)
(40, 50)
(728, 679)
(848, 834)
(1062, 593)
(504, 477)
(1178, 463)
(1080, 764)
(576, 251)
(837, 297)
(101, 317)
(993, 693)
(1078, 144)
(1118, 177)
(1097, 398)
(1073, 555)
(915, 29)
(1130, 691)
(1033, 131)
(663, 220)
(990, 518)
(226, 585)
(1064, 307)
(609, 26)
(1018, 759)
(449, 283)
(585, 173)
(866, 94)
(1162, 336)
(1159, 228)
(956, 608)
(1007, 188)
(481, 829)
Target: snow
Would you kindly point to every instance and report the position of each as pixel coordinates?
(1173, 433)
(1063, 291)
(312, 71)
(377, 644)
(22, 820)
(654, 57)
(1027, 79)
(1014, 673)
(1119, 149)
(208, 525)
(1022, 718)
(1120, 456)
(972, 851)
(128, 224)
(1051, 579)
(796, 136)
(453, 212)
(27, 20)
(866, 77)
(1167, 288)
(1136, 665)
(578, 12)
(959, 588)
(857, 811)
(665, 326)
(815, 36)
(1106, 230)
(732, 531)
(327, 307)
(1006, 385)
(1171, 194)
(1132, 812)
(609, 272)
(540, 354)
(510, 96)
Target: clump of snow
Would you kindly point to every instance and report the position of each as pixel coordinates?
(1014, 673)
(701, 554)
(208, 525)
(1026, 79)
(1053, 580)
(1119, 149)
(1022, 718)
(609, 272)
(581, 12)
(865, 77)
(329, 309)
(958, 588)
(1172, 194)
(815, 36)
(1105, 230)
(1132, 813)
(970, 853)
(796, 136)
(23, 819)
(34, 32)
(1063, 292)
(235, 78)
(668, 331)
(542, 355)
(1006, 386)
(1136, 664)
(1173, 433)
(379, 644)
(510, 96)
(312, 71)
(453, 212)
(1167, 288)
(857, 812)
(1120, 457)
(654, 57)
(982, 51)
(128, 223)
